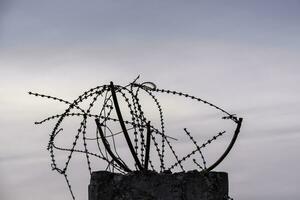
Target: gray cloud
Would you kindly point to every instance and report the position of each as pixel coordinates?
(242, 56)
(48, 23)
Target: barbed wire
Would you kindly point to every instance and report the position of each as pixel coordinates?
(102, 102)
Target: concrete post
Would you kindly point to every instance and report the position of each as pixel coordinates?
(158, 186)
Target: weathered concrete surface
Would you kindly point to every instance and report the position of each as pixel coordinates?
(158, 186)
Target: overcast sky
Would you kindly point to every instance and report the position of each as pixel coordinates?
(242, 55)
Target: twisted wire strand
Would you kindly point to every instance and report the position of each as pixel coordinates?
(142, 124)
(69, 186)
(194, 151)
(139, 119)
(228, 115)
(197, 146)
(162, 125)
(90, 153)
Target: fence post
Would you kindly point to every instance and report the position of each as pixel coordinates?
(148, 185)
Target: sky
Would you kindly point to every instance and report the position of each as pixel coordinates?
(241, 55)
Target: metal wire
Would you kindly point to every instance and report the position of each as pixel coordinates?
(133, 122)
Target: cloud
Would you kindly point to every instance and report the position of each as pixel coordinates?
(242, 56)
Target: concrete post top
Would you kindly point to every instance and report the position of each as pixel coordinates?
(190, 185)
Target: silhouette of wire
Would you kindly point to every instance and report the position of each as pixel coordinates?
(100, 106)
